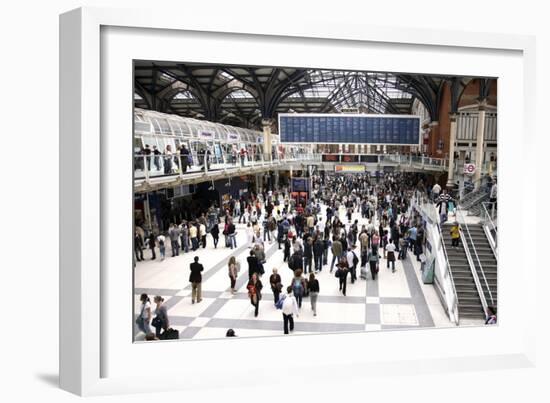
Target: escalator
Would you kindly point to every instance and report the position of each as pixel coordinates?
(469, 302)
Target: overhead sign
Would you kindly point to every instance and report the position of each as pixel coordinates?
(233, 137)
(206, 135)
(349, 128)
(469, 169)
(349, 168)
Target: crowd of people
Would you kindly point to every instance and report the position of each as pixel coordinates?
(307, 231)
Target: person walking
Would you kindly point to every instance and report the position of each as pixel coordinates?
(184, 236)
(144, 318)
(215, 232)
(352, 259)
(286, 250)
(232, 234)
(373, 259)
(255, 292)
(313, 287)
(318, 249)
(336, 250)
(138, 246)
(161, 239)
(253, 264)
(390, 256)
(298, 286)
(195, 278)
(202, 234)
(233, 267)
(455, 234)
(193, 232)
(174, 235)
(160, 321)
(276, 285)
(491, 315)
(342, 274)
(151, 240)
(289, 308)
(308, 254)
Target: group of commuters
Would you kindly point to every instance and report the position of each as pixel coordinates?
(307, 232)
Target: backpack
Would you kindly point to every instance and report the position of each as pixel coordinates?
(297, 285)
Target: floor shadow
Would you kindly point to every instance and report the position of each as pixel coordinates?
(50, 379)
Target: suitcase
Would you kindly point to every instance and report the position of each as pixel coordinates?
(170, 334)
(363, 273)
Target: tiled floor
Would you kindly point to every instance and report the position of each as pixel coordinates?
(393, 300)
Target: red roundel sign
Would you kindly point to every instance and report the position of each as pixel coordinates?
(469, 169)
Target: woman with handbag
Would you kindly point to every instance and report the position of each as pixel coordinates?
(234, 268)
(160, 321)
(255, 292)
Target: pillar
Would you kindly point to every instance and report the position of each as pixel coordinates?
(367, 148)
(452, 139)
(479, 142)
(266, 125)
(147, 213)
(434, 138)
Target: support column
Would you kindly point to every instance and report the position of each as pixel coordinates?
(434, 138)
(266, 125)
(147, 213)
(479, 142)
(452, 139)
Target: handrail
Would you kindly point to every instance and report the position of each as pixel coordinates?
(449, 271)
(459, 212)
(489, 228)
(421, 200)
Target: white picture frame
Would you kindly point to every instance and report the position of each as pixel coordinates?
(96, 356)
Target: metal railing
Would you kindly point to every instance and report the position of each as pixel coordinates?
(460, 217)
(151, 166)
(426, 207)
(489, 226)
(450, 274)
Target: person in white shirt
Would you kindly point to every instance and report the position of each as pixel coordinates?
(202, 234)
(321, 225)
(290, 308)
(436, 190)
(161, 239)
(390, 256)
(352, 267)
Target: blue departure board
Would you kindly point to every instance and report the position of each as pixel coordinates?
(349, 129)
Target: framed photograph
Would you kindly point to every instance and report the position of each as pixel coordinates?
(171, 129)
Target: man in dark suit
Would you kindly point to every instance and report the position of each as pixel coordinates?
(195, 278)
(253, 264)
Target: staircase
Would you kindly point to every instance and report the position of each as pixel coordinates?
(487, 259)
(469, 303)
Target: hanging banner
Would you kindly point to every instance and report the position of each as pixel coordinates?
(203, 134)
(233, 137)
